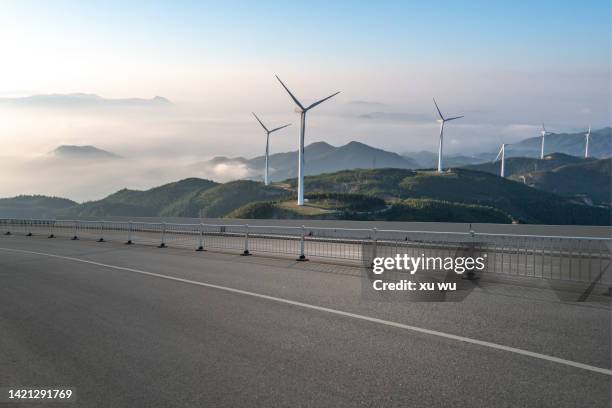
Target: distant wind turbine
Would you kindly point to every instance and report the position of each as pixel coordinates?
(502, 154)
(442, 121)
(586, 147)
(544, 133)
(266, 174)
(302, 111)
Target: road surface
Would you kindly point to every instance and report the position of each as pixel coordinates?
(138, 326)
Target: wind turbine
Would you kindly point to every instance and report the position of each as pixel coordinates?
(586, 147)
(442, 121)
(266, 177)
(544, 133)
(302, 111)
(502, 153)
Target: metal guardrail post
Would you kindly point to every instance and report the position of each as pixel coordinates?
(30, 224)
(129, 240)
(471, 275)
(602, 270)
(374, 244)
(76, 229)
(101, 239)
(246, 241)
(302, 256)
(163, 236)
(201, 238)
(51, 229)
(8, 227)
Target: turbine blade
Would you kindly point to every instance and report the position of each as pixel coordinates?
(543, 127)
(290, 94)
(321, 101)
(456, 117)
(279, 128)
(260, 122)
(438, 109)
(589, 129)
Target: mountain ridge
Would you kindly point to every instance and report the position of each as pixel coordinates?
(458, 195)
(320, 157)
(588, 180)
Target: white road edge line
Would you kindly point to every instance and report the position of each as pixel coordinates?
(336, 312)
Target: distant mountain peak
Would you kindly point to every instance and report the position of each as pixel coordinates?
(320, 144)
(358, 145)
(161, 99)
(82, 152)
(355, 143)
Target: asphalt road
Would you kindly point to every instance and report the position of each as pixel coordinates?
(94, 317)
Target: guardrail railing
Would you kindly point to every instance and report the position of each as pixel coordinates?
(575, 259)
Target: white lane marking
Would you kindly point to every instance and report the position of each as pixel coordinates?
(334, 311)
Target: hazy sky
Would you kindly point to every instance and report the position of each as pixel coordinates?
(506, 65)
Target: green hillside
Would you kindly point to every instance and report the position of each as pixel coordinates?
(146, 203)
(33, 206)
(459, 195)
(384, 183)
(418, 209)
(404, 210)
(186, 198)
(523, 203)
(591, 180)
(284, 210)
(222, 199)
(321, 205)
(270, 210)
(585, 179)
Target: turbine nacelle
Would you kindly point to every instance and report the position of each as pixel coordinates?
(501, 150)
(449, 119)
(300, 108)
(268, 131)
(502, 155)
(442, 118)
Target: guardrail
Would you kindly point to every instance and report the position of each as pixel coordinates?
(574, 259)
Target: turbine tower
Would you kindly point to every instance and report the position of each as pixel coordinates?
(544, 133)
(266, 174)
(442, 121)
(502, 154)
(586, 147)
(302, 111)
